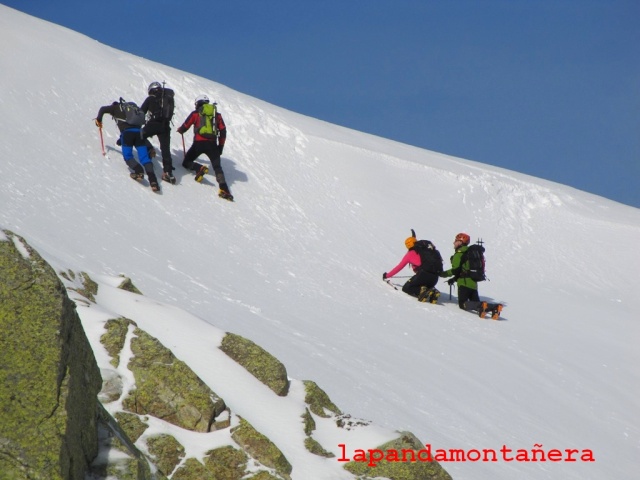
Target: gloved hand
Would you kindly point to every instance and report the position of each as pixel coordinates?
(384, 276)
(119, 141)
(220, 148)
(98, 123)
(451, 281)
(181, 130)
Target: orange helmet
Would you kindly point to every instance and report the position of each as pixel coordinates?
(464, 238)
(410, 242)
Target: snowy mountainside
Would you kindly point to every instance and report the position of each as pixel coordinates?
(295, 263)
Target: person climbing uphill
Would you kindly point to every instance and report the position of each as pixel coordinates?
(426, 262)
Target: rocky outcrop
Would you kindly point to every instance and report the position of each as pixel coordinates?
(257, 361)
(318, 401)
(49, 379)
(128, 463)
(260, 448)
(166, 387)
(404, 470)
(53, 425)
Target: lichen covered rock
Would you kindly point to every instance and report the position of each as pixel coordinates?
(260, 447)
(128, 285)
(119, 458)
(257, 361)
(167, 388)
(226, 463)
(114, 337)
(399, 470)
(49, 379)
(166, 452)
(318, 400)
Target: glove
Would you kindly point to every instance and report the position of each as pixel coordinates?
(98, 123)
(384, 276)
(451, 281)
(181, 130)
(220, 148)
(119, 142)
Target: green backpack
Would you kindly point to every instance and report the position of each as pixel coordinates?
(206, 123)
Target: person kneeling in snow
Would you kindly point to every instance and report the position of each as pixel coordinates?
(468, 297)
(422, 284)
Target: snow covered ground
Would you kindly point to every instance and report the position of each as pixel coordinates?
(295, 263)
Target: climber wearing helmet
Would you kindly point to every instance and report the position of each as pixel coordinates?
(422, 284)
(460, 273)
(210, 134)
(467, 288)
(158, 107)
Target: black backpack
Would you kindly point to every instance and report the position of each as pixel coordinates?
(430, 258)
(475, 257)
(132, 113)
(167, 103)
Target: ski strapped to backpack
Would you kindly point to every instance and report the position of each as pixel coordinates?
(207, 121)
(132, 113)
(474, 257)
(430, 258)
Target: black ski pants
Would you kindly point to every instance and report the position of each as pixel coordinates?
(468, 298)
(420, 279)
(211, 150)
(162, 130)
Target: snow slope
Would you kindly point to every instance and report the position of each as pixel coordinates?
(295, 263)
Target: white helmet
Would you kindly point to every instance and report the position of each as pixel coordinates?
(202, 99)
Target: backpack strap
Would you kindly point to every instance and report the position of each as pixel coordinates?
(458, 272)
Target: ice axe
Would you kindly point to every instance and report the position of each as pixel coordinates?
(101, 141)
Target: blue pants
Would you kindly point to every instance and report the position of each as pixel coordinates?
(131, 138)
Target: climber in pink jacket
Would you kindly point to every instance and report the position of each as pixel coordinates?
(422, 283)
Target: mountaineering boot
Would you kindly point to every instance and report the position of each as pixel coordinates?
(201, 172)
(434, 294)
(225, 194)
(482, 309)
(496, 311)
(424, 294)
(139, 176)
(168, 177)
(154, 186)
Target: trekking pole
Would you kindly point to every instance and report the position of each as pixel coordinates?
(101, 141)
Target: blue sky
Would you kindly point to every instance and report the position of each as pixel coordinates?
(548, 88)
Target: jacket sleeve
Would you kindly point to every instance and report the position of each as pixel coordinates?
(222, 129)
(145, 105)
(455, 264)
(411, 258)
(107, 109)
(186, 125)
